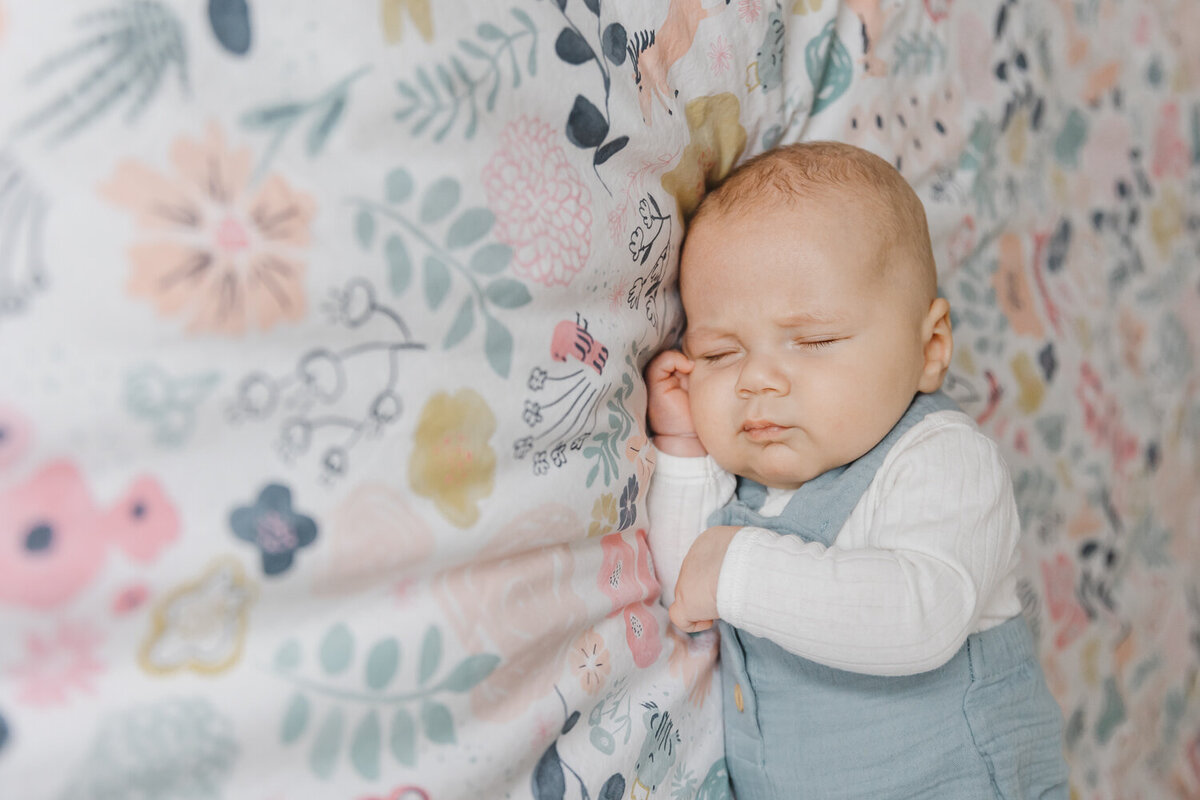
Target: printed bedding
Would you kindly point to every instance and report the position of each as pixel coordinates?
(322, 453)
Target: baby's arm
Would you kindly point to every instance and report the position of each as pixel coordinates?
(686, 486)
(917, 564)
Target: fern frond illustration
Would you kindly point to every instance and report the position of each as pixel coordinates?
(121, 58)
(325, 111)
(460, 89)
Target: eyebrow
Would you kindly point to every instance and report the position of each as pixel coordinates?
(802, 318)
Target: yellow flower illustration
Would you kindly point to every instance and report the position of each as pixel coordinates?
(452, 463)
(201, 625)
(717, 141)
(391, 13)
(604, 515)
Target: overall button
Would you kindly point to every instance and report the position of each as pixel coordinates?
(738, 700)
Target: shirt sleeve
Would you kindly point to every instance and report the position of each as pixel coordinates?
(907, 577)
(683, 493)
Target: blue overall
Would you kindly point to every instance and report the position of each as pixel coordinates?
(982, 725)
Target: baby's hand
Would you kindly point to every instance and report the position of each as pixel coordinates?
(668, 409)
(695, 605)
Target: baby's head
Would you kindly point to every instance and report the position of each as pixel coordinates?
(813, 318)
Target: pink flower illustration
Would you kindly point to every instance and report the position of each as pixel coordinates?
(627, 578)
(749, 10)
(57, 665)
(215, 251)
(542, 206)
(590, 661)
(516, 600)
(720, 55)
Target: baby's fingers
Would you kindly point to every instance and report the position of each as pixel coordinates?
(680, 619)
(668, 363)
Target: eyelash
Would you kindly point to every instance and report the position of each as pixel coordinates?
(816, 345)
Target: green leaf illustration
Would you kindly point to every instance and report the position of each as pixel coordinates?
(322, 759)
(382, 662)
(464, 323)
(287, 657)
(272, 115)
(470, 672)
(319, 133)
(403, 740)
(491, 258)
(364, 229)
(437, 281)
(337, 649)
(471, 226)
(507, 293)
(498, 346)
(440, 199)
(365, 746)
(437, 722)
(295, 719)
(398, 186)
(399, 264)
(431, 655)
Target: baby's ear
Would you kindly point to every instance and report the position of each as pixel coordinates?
(939, 345)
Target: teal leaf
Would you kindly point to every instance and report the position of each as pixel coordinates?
(470, 672)
(471, 226)
(440, 200)
(488, 31)
(829, 67)
(603, 741)
(498, 346)
(464, 323)
(491, 258)
(365, 745)
(272, 115)
(382, 661)
(403, 739)
(609, 149)
(614, 788)
(364, 229)
(319, 133)
(337, 649)
(399, 264)
(295, 719)
(586, 126)
(437, 722)
(507, 293)
(398, 185)
(573, 48)
(322, 759)
(437, 281)
(593, 6)
(549, 780)
(287, 657)
(431, 654)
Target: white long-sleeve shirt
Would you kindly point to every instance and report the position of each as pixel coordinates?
(927, 557)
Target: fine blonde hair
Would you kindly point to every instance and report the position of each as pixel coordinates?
(798, 173)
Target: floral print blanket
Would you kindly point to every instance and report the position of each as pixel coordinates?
(322, 447)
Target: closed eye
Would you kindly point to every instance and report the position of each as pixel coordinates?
(816, 344)
(713, 358)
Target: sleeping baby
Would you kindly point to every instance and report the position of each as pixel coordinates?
(851, 529)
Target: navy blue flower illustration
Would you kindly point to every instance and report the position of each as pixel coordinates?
(627, 514)
(274, 527)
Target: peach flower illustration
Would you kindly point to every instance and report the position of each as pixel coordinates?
(374, 536)
(57, 665)
(516, 599)
(452, 462)
(590, 661)
(220, 254)
(542, 206)
(627, 578)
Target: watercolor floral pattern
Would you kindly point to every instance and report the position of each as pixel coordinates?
(216, 251)
(542, 206)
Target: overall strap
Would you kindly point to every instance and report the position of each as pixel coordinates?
(819, 508)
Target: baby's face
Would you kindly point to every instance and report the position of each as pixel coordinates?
(805, 356)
